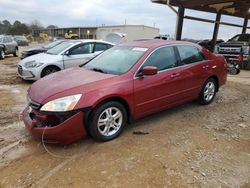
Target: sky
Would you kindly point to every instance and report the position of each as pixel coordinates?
(68, 13)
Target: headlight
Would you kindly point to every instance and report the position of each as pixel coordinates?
(245, 49)
(62, 104)
(32, 64)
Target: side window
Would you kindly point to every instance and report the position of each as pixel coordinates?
(189, 54)
(110, 46)
(100, 47)
(163, 58)
(5, 40)
(82, 49)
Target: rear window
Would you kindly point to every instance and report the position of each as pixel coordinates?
(20, 37)
(241, 38)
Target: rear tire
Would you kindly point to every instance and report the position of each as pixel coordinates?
(15, 53)
(208, 91)
(49, 70)
(107, 121)
(2, 54)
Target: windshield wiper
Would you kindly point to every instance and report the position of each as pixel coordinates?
(49, 53)
(98, 70)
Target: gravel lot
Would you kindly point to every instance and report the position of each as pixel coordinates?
(187, 146)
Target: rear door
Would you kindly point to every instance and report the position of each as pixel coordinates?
(79, 54)
(8, 48)
(195, 69)
(12, 44)
(156, 92)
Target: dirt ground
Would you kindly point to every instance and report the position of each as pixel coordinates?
(188, 146)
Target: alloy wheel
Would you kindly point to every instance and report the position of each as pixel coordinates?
(209, 91)
(110, 121)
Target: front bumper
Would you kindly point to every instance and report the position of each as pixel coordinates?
(67, 132)
(235, 57)
(26, 74)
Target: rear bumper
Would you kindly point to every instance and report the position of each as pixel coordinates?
(65, 133)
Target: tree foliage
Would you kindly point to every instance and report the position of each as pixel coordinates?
(19, 28)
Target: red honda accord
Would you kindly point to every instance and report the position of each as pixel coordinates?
(124, 83)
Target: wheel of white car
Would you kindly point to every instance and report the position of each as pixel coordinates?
(107, 121)
(49, 70)
(2, 54)
(16, 52)
(208, 91)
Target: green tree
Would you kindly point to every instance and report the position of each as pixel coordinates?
(5, 26)
(18, 28)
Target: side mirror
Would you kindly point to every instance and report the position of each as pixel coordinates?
(67, 53)
(149, 71)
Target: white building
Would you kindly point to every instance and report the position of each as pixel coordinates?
(127, 32)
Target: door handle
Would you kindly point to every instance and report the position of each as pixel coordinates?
(175, 75)
(205, 66)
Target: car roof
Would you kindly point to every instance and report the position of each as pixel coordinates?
(88, 40)
(153, 43)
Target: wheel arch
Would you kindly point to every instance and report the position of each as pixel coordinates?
(50, 65)
(217, 81)
(119, 99)
(2, 46)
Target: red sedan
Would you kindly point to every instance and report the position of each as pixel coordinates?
(124, 83)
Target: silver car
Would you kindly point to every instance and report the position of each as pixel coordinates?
(8, 46)
(65, 55)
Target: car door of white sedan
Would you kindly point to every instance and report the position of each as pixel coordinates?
(78, 55)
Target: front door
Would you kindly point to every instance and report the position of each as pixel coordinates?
(157, 92)
(78, 55)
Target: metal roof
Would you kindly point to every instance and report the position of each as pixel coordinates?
(238, 8)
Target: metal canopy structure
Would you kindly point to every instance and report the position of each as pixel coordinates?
(237, 8)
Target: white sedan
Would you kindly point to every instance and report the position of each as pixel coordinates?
(65, 55)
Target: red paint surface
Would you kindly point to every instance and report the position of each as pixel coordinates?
(65, 133)
(144, 95)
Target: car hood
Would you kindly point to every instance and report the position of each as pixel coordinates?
(232, 44)
(35, 50)
(64, 83)
(41, 58)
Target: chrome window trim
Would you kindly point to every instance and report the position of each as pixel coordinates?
(172, 45)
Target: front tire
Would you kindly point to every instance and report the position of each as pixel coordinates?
(107, 121)
(2, 54)
(49, 70)
(208, 91)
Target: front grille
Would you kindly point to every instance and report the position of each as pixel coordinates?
(20, 70)
(227, 50)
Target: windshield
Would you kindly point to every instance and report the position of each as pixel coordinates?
(52, 44)
(116, 60)
(59, 48)
(20, 37)
(241, 38)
